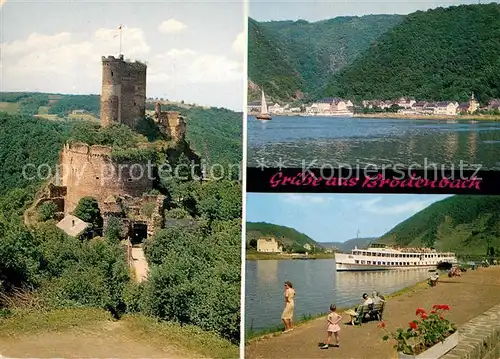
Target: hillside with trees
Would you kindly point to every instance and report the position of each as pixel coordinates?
(216, 134)
(440, 54)
(291, 58)
(290, 238)
(468, 225)
(349, 245)
(194, 279)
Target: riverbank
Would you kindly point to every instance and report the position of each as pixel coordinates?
(395, 115)
(468, 296)
(428, 117)
(254, 256)
(278, 329)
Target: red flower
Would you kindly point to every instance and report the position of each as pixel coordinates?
(441, 318)
(413, 325)
(445, 307)
(420, 311)
(381, 325)
(424, 316)
(433, 312)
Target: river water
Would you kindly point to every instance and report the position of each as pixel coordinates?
(317, 285)
(352, 141)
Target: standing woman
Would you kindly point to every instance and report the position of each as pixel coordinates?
(287, 315)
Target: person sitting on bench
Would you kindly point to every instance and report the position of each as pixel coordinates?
(434, 279)
(356, 312)
(377, 298)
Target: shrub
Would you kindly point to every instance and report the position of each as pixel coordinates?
(47, 211)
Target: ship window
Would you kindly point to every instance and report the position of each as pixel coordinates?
(97, 178)
(368, 262)
(379, 263)
(357, 262)
(362, 262)
(129, 179)
(111, 73)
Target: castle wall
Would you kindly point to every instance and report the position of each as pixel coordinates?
(123, 93)
(89, 171)
(171, 123)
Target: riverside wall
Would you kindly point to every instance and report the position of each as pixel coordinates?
(480, 338)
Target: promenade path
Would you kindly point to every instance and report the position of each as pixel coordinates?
(468, 296)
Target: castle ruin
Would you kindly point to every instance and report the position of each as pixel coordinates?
(89, 171)
(122, 189)
(170, 123)
(123, 93)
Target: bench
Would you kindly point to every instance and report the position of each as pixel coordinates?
(369, 312)
(433, 282)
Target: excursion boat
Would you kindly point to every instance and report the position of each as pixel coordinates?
(264, 113)
(381, 257)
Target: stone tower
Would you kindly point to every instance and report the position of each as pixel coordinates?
(123, 93)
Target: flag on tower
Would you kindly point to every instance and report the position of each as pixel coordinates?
(119, 28)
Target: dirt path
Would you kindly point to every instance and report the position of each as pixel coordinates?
(109, 340)
(468, 296)
(140, 264)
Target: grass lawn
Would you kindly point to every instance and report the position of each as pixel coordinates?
(11, 108)
(82, 116)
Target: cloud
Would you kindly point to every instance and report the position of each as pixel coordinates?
(411, 207)
(171, 26)
(305, 199)
(63, 62)
(194, 67)
(239, 43)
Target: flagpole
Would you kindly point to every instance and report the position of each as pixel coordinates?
(121, 26)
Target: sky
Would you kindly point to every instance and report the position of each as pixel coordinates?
(194, 49)
(313, 10)
(336, 217)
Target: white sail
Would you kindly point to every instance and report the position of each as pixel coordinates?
(263, 109)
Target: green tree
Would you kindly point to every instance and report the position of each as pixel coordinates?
(88, 211)
(47, 211)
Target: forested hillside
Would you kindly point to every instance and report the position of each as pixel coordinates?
(287, 236)
(214, 133)
(440, 54)
(269, 65)
(195, 261)
(462, 224)
(289, 56)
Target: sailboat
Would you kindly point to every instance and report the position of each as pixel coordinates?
(264, 114)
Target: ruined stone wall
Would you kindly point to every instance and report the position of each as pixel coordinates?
(176, 126)
(123, 93)
(171, 123)
(480, 338)
(89, 171)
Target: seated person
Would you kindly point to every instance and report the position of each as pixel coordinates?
(433, 279)
(377, 299)
(356, 312)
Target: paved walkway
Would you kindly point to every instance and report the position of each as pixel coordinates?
(468, 296)
(140, 264)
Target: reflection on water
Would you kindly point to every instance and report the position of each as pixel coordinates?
(472, 141)
(267, 271)
(317, 284)
(377, 141)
